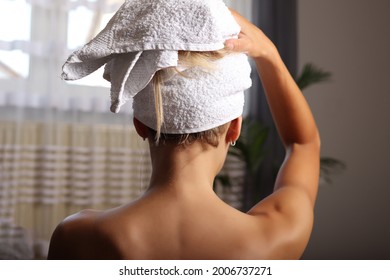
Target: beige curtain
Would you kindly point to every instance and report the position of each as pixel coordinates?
(49, 171)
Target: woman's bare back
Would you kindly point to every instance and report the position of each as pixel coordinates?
(162, 226)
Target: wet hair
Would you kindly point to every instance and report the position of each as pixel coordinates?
(186, 59)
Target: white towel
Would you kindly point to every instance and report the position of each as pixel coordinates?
(144, 36)
(200, 99)
(129, 73)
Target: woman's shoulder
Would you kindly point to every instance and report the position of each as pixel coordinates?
(74, 237)
(78, 223)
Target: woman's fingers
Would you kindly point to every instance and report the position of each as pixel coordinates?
(237, 45)
(246, 38)
(251, 39)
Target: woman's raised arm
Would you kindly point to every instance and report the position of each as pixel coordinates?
(290, 111)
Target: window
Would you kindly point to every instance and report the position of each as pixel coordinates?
(15, 32)
(83, 24)
(42, 36)
(36, 44)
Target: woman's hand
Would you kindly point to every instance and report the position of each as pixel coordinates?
(251, 40)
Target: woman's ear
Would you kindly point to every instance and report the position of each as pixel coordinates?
(234, 130)
(141, 129)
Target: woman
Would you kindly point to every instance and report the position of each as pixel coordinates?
(180, 217)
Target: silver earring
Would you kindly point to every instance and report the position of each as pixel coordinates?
(233, 143)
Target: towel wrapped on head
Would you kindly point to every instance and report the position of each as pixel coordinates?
(145, 36)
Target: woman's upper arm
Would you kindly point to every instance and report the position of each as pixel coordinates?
(69, 236)
(290, 207)
(301, 170)
(58, 245)
(298, 176)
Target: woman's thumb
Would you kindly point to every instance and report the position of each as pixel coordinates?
(230, 45)
(234, 45)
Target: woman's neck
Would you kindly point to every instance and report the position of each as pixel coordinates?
(182, 169)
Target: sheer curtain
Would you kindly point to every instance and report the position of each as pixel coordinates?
(60, 149)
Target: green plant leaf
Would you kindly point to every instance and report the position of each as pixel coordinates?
(310, 75)
(250, 147)
(259, 137)
(330, 166)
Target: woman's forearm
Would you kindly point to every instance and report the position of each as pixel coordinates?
(288, 106)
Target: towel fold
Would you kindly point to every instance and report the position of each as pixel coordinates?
(143, 37)
(129, 73)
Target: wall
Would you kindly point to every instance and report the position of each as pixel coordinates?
(351, 39)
